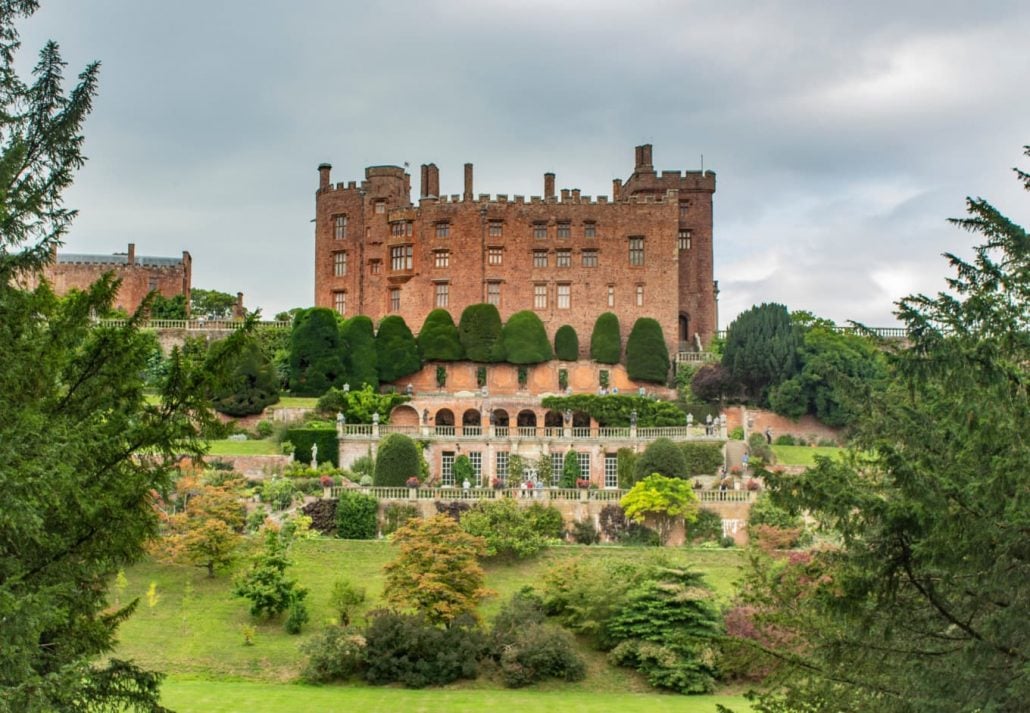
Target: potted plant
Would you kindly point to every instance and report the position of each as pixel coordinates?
(412, 483)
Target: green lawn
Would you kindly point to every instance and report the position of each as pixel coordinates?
(803, 455)
(244, 448)
(195, 629)
(295, 402)
(201, 696)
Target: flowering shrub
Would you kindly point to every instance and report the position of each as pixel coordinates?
(412, 482)
(325, 480)
(753, 485)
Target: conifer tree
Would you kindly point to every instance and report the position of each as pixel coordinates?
(438, 338)
(605, 341)
(396, 350)
(566, 343)
(361, 364)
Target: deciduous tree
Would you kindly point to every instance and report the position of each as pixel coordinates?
(662, 500)
(204, 524)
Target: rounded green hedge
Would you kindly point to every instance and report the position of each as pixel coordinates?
(662, 456)
(605, 341)
(438, 338)
(647, 356)
(566, 343)
(524, 339)
(359, 346)
(396, 350)
(316, 360)
(396, 461)
(480, 333)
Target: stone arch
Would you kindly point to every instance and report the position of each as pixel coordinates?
(499, 417)
(554, 419)
(444, 417)
(471, 417)
(526, 419)
(580, 419)
(404, 416)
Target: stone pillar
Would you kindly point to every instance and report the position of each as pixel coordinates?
(323, 176)
(548, 185)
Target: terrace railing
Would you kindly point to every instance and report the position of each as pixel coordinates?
(611, 495)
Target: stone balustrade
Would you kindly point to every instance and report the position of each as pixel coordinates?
(364, 432)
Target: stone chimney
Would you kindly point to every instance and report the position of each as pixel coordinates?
(432, 187)
(423, 181)
(323, 176)
(644, 164)
(548, 185)
(616, 188)
(130, 258)
(564, 195)
(238, 311)
(468, 182)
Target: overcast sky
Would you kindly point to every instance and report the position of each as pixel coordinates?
(843, 133)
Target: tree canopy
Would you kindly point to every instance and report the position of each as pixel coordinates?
(662, 500)
(253, 385)
(360, 360)
(316, 360)
(761, 349)
(664, 457)
(396, 460)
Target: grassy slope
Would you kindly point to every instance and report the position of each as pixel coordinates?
(803, 455)
(203, 638)
(243, 448)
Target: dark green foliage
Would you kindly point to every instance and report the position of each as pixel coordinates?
(761, 349)
(707, 527)
(296, 616)
(253, 386)
(647, 356)
(510, 531)
(334, 654)
(661, 456)
(527, 649)
(359, 405)
(211, 304)
(480, 334)
(173, 307)
(612, 522)
(637, 535)
(463, 470)
(570, 471)
(524, 339)
(396, 515)
(361, 364)
(566, 343)
(605, 340)
(356, 516)
(396, 352)
(407, 649)
(441, 376)
(702, 458)
(563, 379)
(316, 358)
(613, 411)
(712, 382)
(344, 600)
(326, 439)
(266, 585)
(546, 520)
(396, 461)
(626, 462)
(758, 447)
(438, 340)
(584, 532)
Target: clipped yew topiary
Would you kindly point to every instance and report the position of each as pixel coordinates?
(566, 343)
(438, 340)
(605, 342)
(253, 385)
(647, 357)
(524, 339)
(396, 461)
(396, 350)
(359, 348)
(316, 359)
(480, 333)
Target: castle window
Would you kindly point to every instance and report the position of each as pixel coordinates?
(442, 258)
(540, 231)
(447, 468)
(684, 211)
(340, 302)
(557, 462)
(539, 258)
(611, 470)
(564, 296)
(584, 464)
(380, 207)
(402, 227)
(539, 296)
(395, 299)
(636, 251)
(501, 469)
(684, 240)
(496, 229)
(401, 257)
(443, 230)
(640, 295)
(476, 459)
(375, 266)
(442, 296)
(563, 258)
(494, 256)
(339, 227)
(589, 258)
(589, 230)
(611, 295)
(564, 229)
(493, 293)
(340, 263)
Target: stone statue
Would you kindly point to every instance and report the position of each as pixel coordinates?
(314, 455)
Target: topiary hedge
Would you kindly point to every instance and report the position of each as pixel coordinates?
(316, 360)
(359, 346)
(524, 339)
(438, 339)
(702, 458)
(480, 333)
(566, 343)
(396, 461)
(253, 385)
(613, 411)
(356, 516)
(396, 351)
(605, 341)
(647, 356)
(661, 456)
(326, 438)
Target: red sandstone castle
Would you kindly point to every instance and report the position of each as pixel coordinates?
(646, 252)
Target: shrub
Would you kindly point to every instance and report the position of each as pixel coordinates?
(407, 649)
(359, 405)
(661, 456)
(702, 458)
(524, 339)
(507, 528)
(397, 460)
(323, 515)
(344, 599)
(570, 471)
(334, 654)
(441, 376)
(452, 508)
(563, 379)
(647, 356)
(526, 649)
(396, 515)
(547, 520)
(326, 439)
(266, 585)
(264, 429)
(566, 343)
(626, 464)
(359, 345)
(438, 339)
(706, 528)
(615, 410)
(396, 351)
(638, 535)
(711, 383)
(462, 470)
(765, 512)
(736, 433)
(759, 447)
(278, 493)
(296, 616)
(316, 360)
(479, 331)
(480, 376)
(785, 440)
(605, 340)
(356, 516)
(252, 386)
(613, 523)
(604, 378)
(584, 532)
